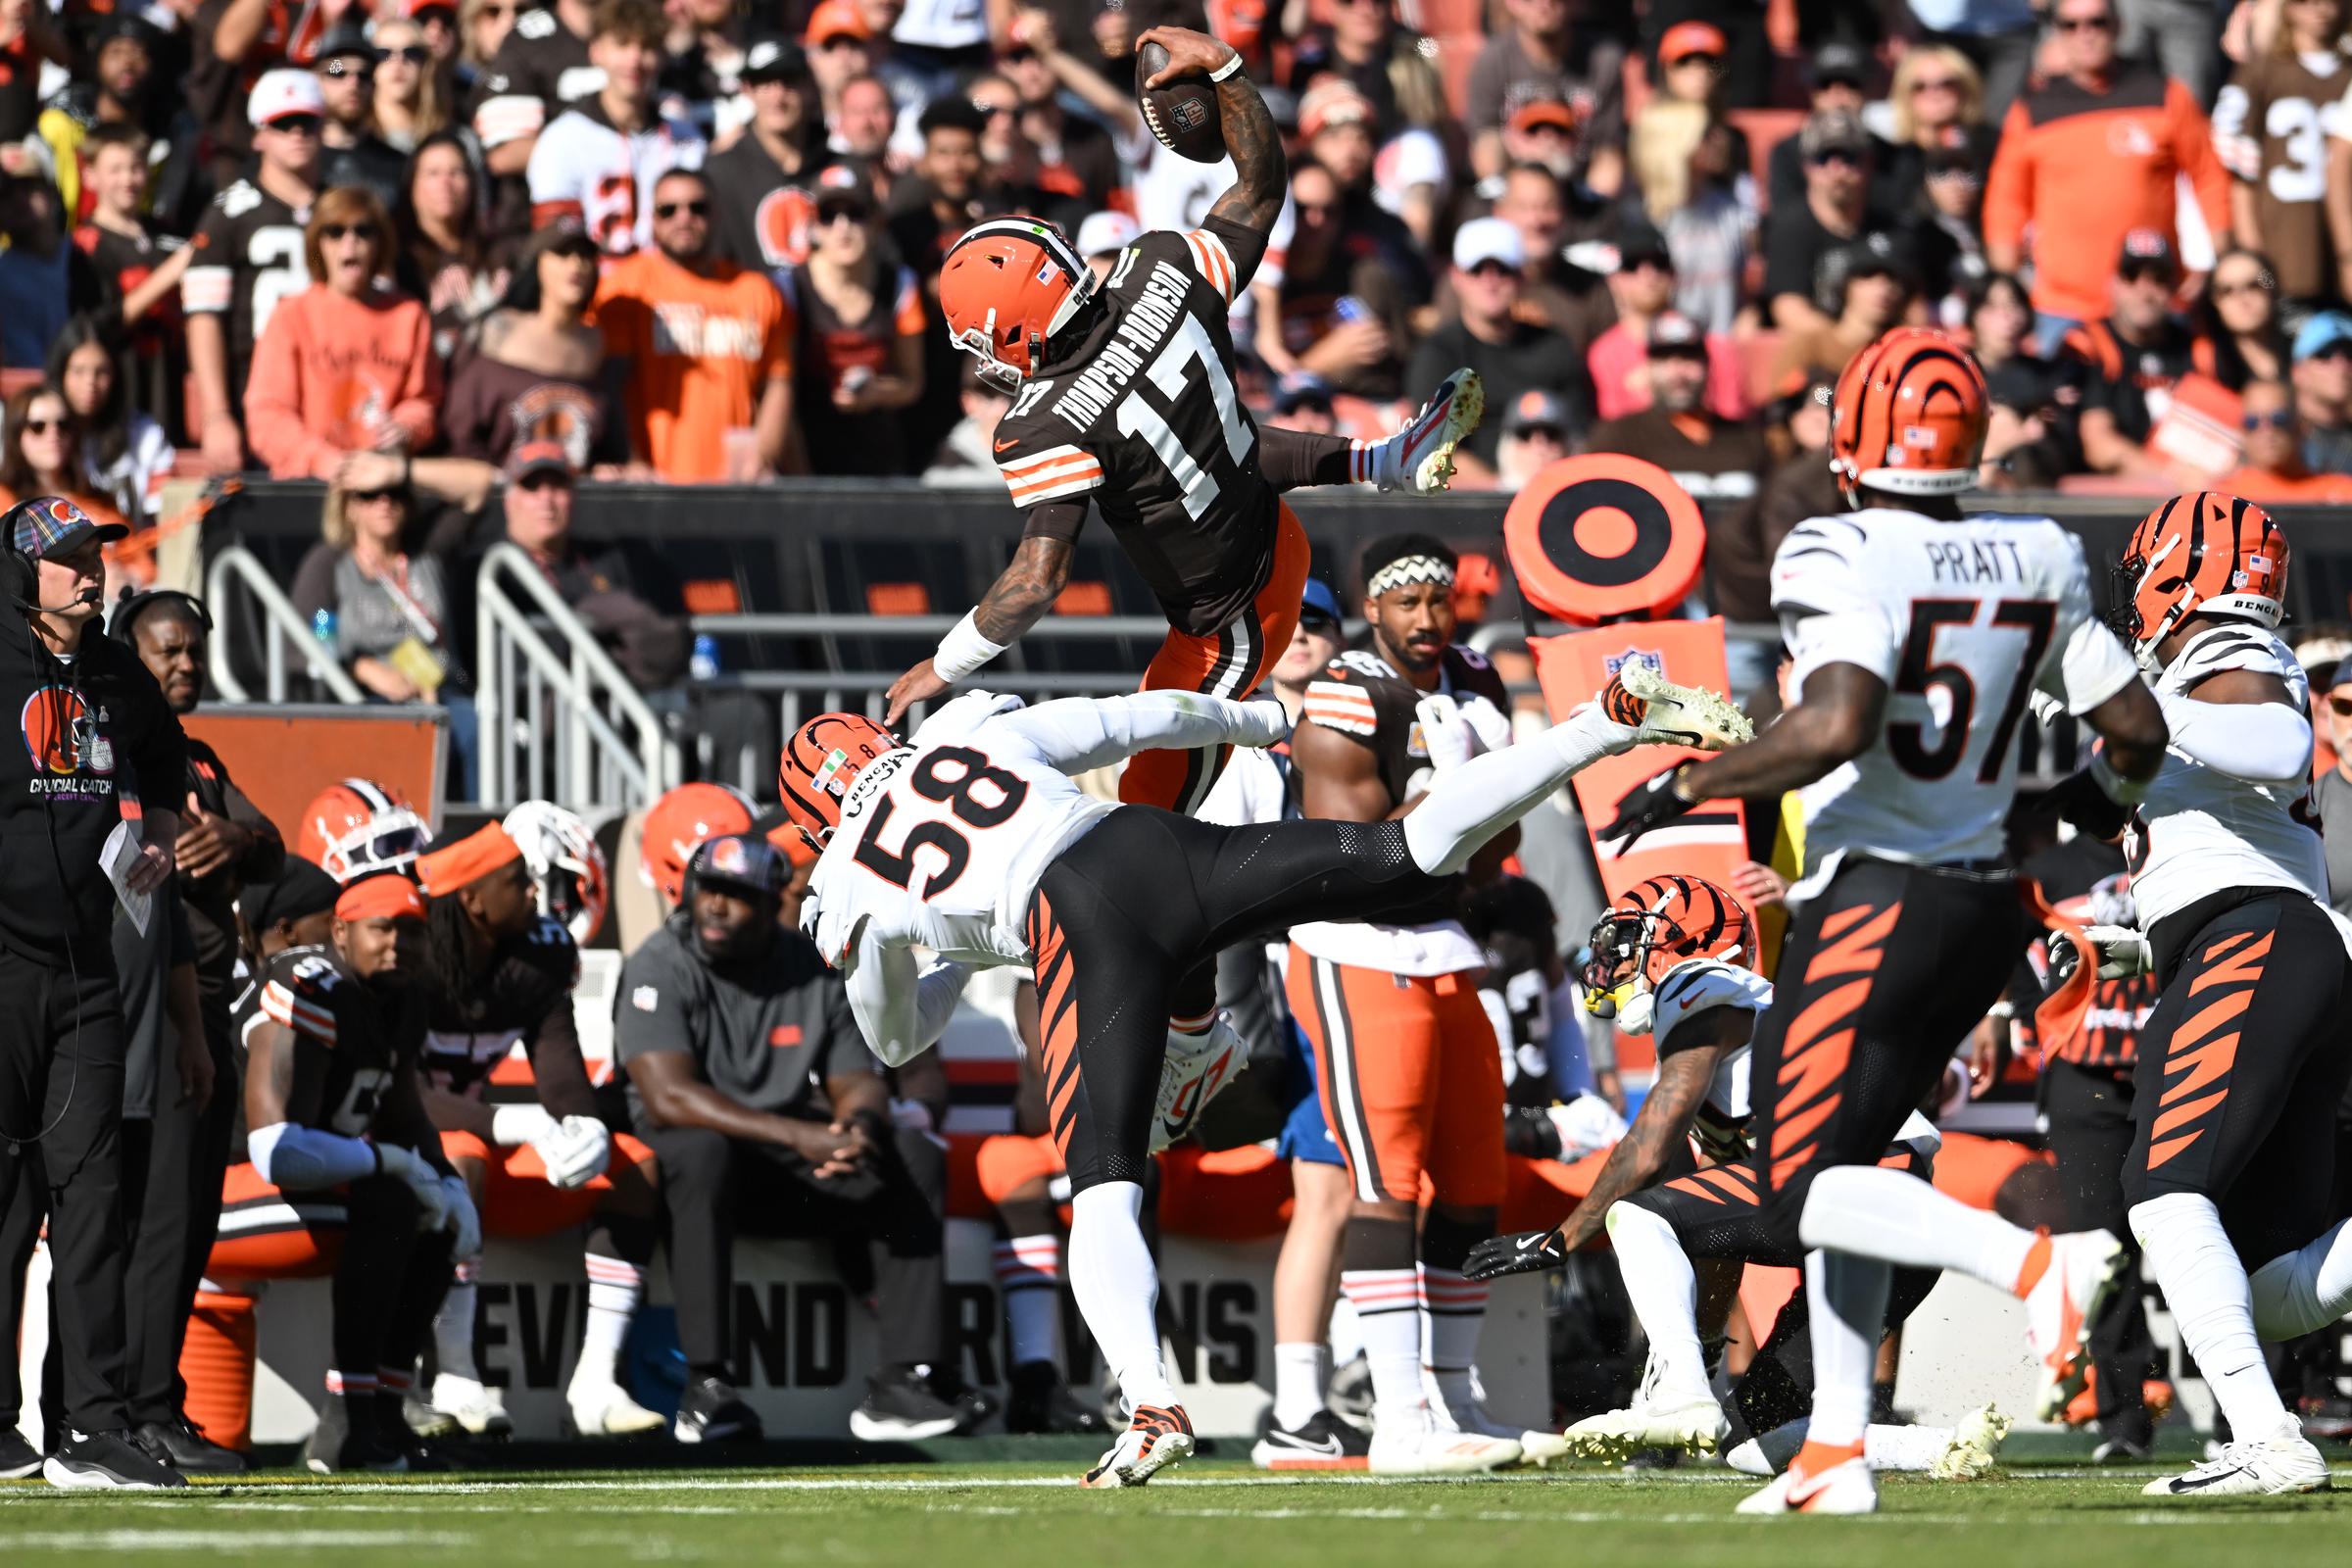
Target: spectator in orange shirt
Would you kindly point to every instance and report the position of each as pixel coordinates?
(703, 345)
(2274, 469)
(345, 366)
(2087, 157)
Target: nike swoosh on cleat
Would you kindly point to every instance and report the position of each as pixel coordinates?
(2182, 1483)
(1329, 1447)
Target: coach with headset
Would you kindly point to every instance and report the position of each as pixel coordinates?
(98, 747)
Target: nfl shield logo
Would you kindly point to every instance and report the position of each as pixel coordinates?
(1635, 656)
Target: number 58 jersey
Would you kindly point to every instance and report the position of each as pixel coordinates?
(942, 843)
(1963, 621)
(1143, 418)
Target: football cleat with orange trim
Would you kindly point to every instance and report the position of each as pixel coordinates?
(1159, 1435)
(2206, 554)
(1194, 1071)
(1666, 714)
(1845, 1488)
(2060, 1308)
(1909, 417)
(1424, 447)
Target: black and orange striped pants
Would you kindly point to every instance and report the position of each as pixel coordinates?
(1883, 976)
(2242, 1065)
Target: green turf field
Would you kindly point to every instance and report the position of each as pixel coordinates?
(1216, 1515)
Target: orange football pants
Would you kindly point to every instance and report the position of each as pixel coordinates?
(1411, 1080)
(1229, 664)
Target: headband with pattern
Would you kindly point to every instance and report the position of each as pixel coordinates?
(1406, 570)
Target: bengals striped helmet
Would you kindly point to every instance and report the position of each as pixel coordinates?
(678, 823)
(821, 760)
(1005, 288)
(356, 827)
(2206, 554)
(1655, 925)
(1909, 417)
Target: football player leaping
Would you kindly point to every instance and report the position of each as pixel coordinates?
(1917, 635)
(2241, 1064)
(1125, 392)
(973, 842)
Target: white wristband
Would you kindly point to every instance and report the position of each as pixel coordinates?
(2117, 788)
(1229, 68)
(962, 650)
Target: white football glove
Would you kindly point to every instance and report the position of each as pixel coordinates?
(2049, 709)
(1451, 740)
(575, 1152)
(2122, 952)
(425, 1182)
(459, 1217)
(1587, 1125)
(1490, 724)
(1269, 723)
(513, 1126)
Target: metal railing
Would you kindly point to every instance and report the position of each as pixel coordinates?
(558, 717)
(282, 628)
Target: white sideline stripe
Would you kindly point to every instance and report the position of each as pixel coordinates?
(221, 1540)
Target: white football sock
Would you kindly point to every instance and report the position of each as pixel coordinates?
(1346, 1334)
(1848, 1319)
(1029, 1279)
(1663, 1288)
(1452, 1310)
(1894, 1217)
(453, 1324)
(1302, 1374)
(1117, 1287)
(1375, 462)
(2304, 1291)
(1478, 800)
(1388, 1311)
(614, 1287)
(1887, 1448)
(2187, 1253)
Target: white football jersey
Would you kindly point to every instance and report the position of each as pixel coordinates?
(2200, 830)
(585, 164)
(1961, 620)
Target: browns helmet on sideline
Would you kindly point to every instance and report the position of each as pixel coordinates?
(2205, 554)
(820, 762)
(1657, 924)
(677, 823)
(1006, 289)
(575, 883)
(1909, 417)
(356, 827)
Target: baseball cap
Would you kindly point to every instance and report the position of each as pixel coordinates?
(417, 8)
(1487, 239)
(1833, 131)
(1839, 61)
(1410, 158)
(1642, 244)
(740, 859)
(774, 60)
(835, 19)
(283, 92)
(1673, 332)
(1320, 599)
(344, 38)
(1303, 390)
(2146, 248)
(2323, 332)
(137, 30)
(531, 458)
(1687, 38)
(1106, 232)
(1543, 111)
(563, 235)
(52, 525)
(2019, 382)
(1332, 101)
(1535, 408)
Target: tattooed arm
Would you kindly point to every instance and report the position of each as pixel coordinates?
(1019, 598)
(1662, 1123)
(1261, 177)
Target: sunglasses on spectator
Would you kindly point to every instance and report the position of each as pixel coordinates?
(1316, 620)
(1020, 54)
(299, 124)
(543, 480)
(387, 493)
(2340, 707)
(2276, 419)
(2084, 24)
(493, 13)
(841, 41)
(1542, 432)
(415, 54)
(1935, 84)
(2145, 272)
(350, 68)
(829, 213)
(1697, 57)
(1490, 267)
(1837, 157)
(42, 427)
(2252, 285)
(692, 209)
(364, 232)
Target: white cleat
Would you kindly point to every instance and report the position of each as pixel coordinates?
(1539, 1449)
(1433, 1452)
(1424, 447)
(1975, 1450)
(1848, 1487)
(1692, 1426)
(1749, 1459)
(1194, 1071)
(2061, 1309)
(476, 1406)
(2286, 1463)
(1158, 1436)
(1664, 713)
(605, 1410)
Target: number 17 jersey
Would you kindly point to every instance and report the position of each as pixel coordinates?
(1963, 621)
(1143, 418)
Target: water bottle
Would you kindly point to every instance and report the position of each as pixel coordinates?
(322, 628)
(702, 664)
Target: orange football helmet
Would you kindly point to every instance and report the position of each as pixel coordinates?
(357, 828)
(1655, 925)
(2206, 554)
(821, 760)
(1909, 417)
(680, 821)
(1005, 288)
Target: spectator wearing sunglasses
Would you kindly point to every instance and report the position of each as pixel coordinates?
(1835, 210)
(858, 346)
(2322, 381)
(411, 102)
(2137, 355)
(2085, 158)
(2274, 470)
(2238, 315)
(1837, 78)
(2332, 791)
(350, 153)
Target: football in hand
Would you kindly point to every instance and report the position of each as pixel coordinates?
(1182, 114)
